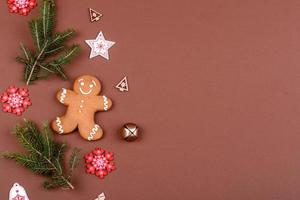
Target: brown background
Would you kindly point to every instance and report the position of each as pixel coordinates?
(214, 84)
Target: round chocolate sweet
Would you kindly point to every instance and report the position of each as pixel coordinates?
(130, 132)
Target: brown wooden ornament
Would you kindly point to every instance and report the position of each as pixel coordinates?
(94, 15)
(123, 85)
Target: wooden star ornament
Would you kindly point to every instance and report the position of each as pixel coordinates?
(100, 46)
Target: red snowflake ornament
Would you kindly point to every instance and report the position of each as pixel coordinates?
(99, 162)
(15, 100)
(23, 7)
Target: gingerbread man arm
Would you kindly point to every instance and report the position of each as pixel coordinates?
(103, 103)
(64, 96)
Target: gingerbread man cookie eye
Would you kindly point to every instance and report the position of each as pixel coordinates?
(82, 83)
(91, 85)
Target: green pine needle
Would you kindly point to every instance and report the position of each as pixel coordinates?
(74, 161)
(44, 155)
(50, 54)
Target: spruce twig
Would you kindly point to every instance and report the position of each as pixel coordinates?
(45, 156)
(50, 54)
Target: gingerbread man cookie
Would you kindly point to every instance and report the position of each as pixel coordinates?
(82, 104)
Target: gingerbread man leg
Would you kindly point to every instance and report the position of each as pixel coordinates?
(64, 124)
(91, 131)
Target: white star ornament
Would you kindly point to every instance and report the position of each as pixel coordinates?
(100, 46)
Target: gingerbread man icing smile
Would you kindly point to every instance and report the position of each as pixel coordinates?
(82, 104)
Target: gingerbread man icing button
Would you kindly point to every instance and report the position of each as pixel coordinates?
(83, 102)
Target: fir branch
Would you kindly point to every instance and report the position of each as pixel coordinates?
(45, 68)
(59, 150)
(27, 53)
(31, 75)
(34, 27)
(44, 155)
(21, 60)
(54, 50)
(30, 162)
(47, 142)
(74, 160)
(61, 37)
(47, 58)
(47, 12)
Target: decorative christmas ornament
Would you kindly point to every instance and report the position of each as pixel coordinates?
(99, 162)
(100, 46)
(15, 100)
(17, 192)
(123, 85)
(101, 197)
(82, 104)
(130, 132)
(22, 7)
(45, 156)
(94, 15)
(51, 53)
